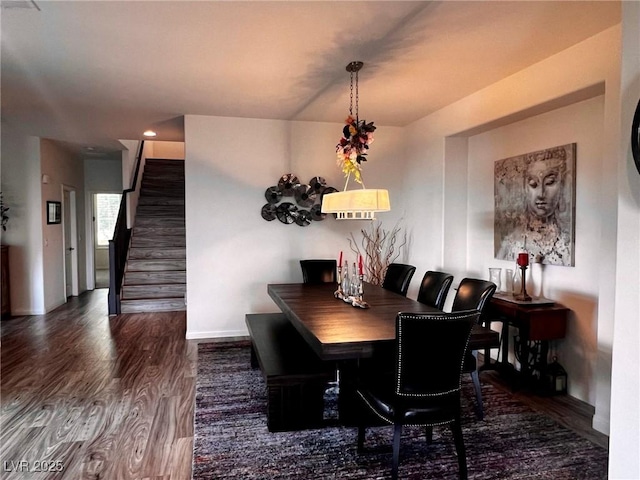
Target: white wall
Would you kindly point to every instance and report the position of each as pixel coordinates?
(22, 193)
(167, 150)
(128, 161)
(63, 168)
(624, 446)
(442, 171)
(577, 287)
(232, 253)
(103, 175)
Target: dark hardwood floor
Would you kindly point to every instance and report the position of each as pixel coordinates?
(113, 398)
(564, 409)
(105, 398)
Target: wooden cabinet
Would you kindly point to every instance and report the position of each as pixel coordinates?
(6, 297)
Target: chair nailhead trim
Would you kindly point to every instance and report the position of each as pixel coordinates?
(430, 317)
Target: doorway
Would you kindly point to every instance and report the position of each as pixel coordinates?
(105, 214)
(69, 240)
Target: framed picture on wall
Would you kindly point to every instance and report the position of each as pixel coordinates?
(54, 212)
(535, 206)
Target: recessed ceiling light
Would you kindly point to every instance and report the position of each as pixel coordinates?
(149, 133)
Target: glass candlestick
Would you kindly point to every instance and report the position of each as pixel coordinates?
(345, 279)
(516, 284)
(338, 293)
(354, 282)
(358, 299)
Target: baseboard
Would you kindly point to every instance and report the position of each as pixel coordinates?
(601, 424)
(224, 335)
(244, 338)
(51, 308)
(26, 313)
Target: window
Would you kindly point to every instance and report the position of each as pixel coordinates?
(107, 206)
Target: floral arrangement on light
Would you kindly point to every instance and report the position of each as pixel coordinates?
(380, 247)
(352, 148)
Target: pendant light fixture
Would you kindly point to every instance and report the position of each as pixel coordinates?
(357, 135)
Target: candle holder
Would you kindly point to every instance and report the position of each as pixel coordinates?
(523, 296)
(358, 299)
(338, 293)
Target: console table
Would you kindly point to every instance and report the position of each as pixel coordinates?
(540, 320)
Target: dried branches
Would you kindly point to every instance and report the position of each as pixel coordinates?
(380, 247)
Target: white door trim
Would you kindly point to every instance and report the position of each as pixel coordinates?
(71, 242)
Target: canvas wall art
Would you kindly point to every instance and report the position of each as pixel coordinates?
(535, 206)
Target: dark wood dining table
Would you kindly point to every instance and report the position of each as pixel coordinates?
(337, 331)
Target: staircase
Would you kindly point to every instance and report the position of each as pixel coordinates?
(155, 274)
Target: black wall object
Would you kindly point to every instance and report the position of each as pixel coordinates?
(635, 137)
(307, 198)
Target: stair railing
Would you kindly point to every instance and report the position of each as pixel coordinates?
(119, 245)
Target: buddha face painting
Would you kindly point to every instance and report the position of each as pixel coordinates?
(534, 196)
(543, 187)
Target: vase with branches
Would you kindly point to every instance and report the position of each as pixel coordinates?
(379, 247)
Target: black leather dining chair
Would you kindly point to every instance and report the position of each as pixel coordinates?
(424, 389)
(434, 288)
(474, 294)
(318, 271)
(398, 277)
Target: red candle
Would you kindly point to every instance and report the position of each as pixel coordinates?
(340, 261)
(523, 259)
(360, 264)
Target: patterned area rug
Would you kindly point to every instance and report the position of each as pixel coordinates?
(232, 440)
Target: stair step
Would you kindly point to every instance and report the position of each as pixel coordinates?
(163, 164)
(159, 242)
(145, 200)
(138, 292)
(142, 253)
(169, 180)
(158, 231)
(164, 161)
(159, 222)
(162, 188)
(159, 191)
(156, 265)
(164, 210)
(155, 278)
(172, 176)
(153, 305)
(160, 218)
(166, 167)
(152, 168)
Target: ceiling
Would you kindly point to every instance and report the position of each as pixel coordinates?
(90, 72)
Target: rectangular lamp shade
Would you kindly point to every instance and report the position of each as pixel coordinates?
(356, 204)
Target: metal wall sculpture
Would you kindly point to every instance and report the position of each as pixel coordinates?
(307, 197)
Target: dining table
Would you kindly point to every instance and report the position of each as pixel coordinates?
(337, 331)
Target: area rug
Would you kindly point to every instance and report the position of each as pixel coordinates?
(232, 440)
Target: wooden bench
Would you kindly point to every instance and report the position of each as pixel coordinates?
(296, 378)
